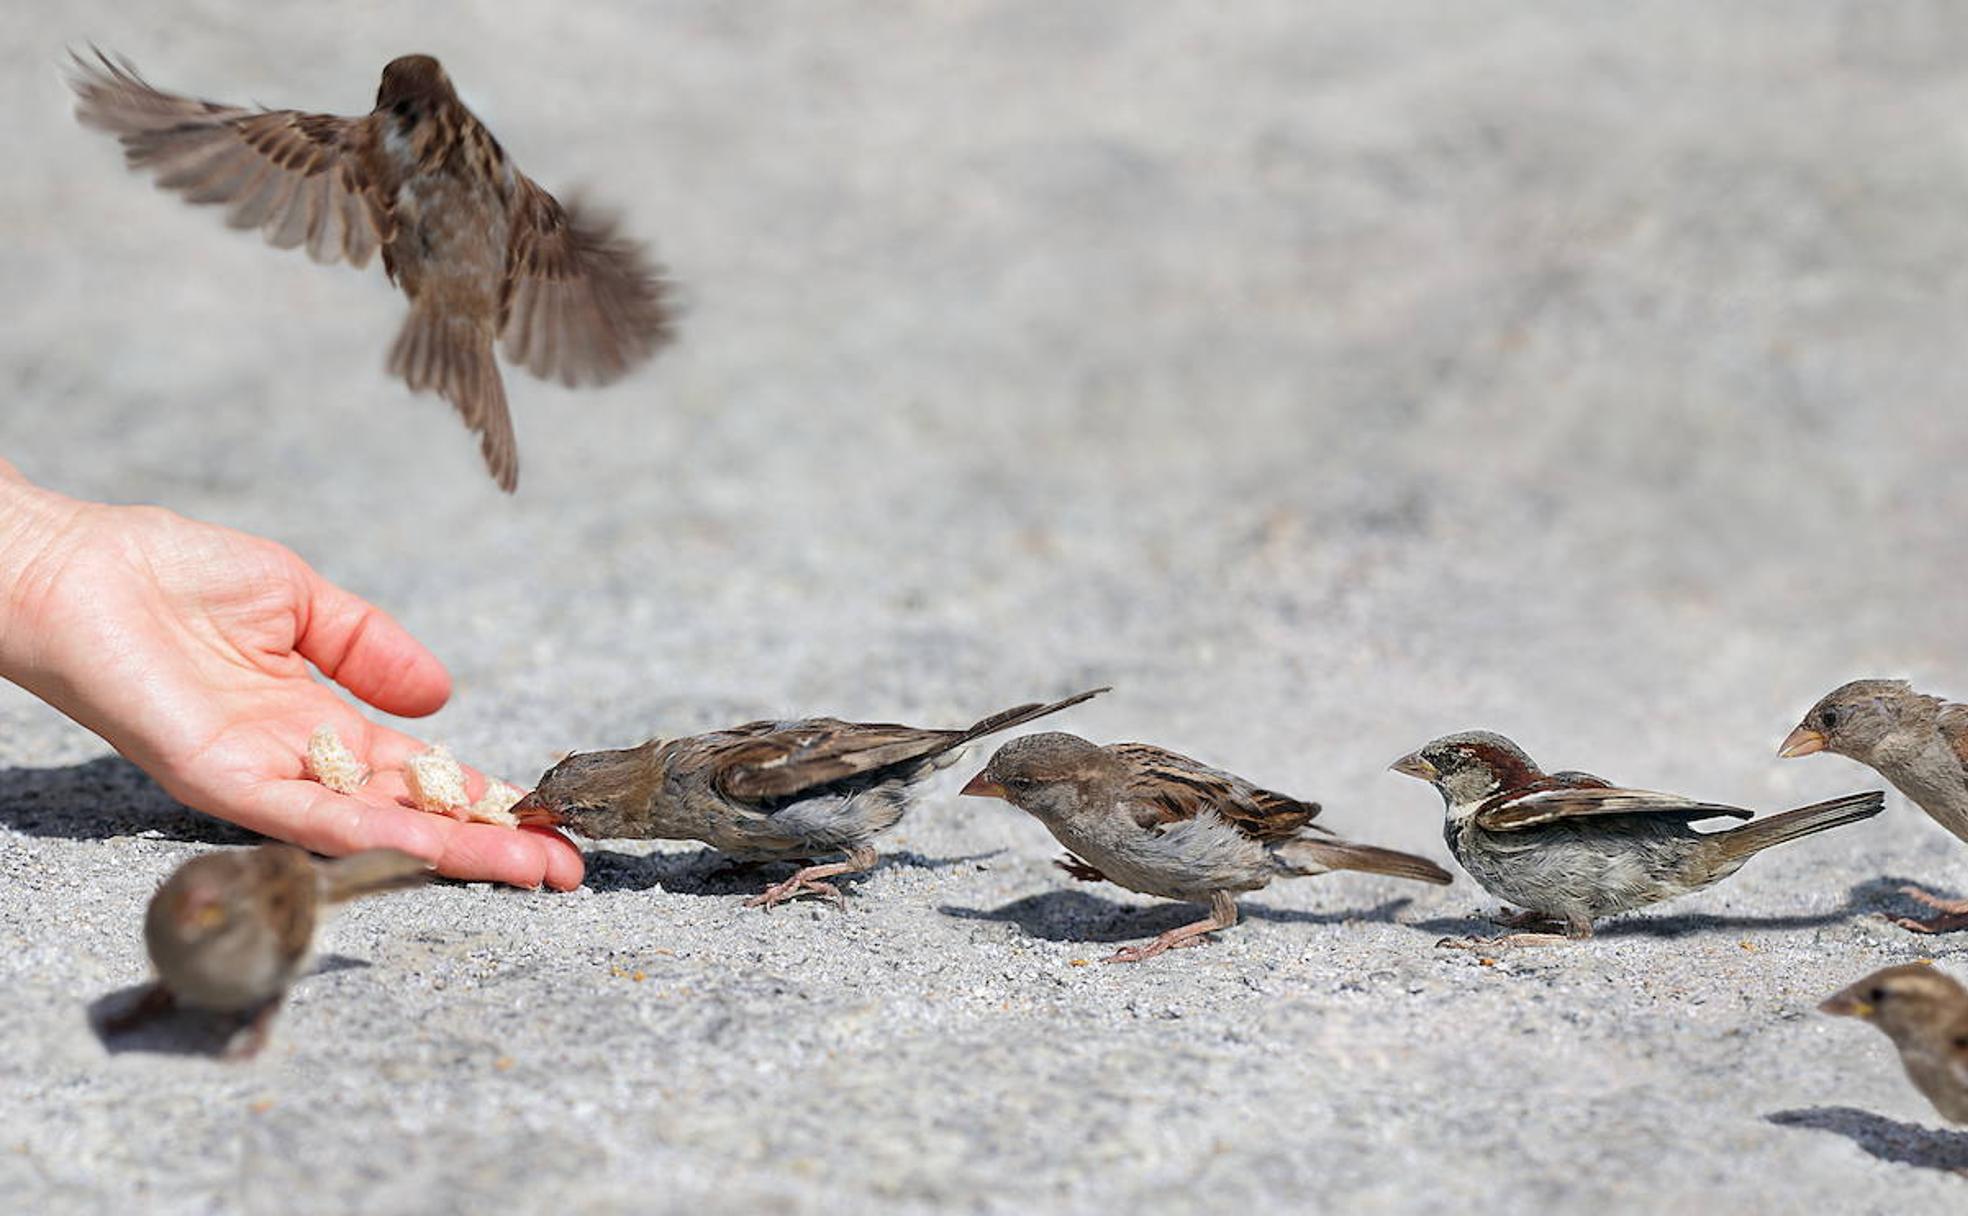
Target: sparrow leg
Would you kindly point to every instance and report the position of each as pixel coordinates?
(1223, 914)
(155, 1002)
(247, 1042)
(811, 880)
(1577, 928)
(1954, 913)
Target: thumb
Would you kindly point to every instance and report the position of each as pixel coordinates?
(362, 648)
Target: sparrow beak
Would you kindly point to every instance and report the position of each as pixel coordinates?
(534, 812)
(1412, 765)
(981, 786)
(1803, 741)
(1846, 1005)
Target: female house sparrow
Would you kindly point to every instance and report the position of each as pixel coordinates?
(1162, 824)
(1917, 742)
(1925, 1013)
(229, 932)
(1571, 848)
(764, 791)
(484, 254)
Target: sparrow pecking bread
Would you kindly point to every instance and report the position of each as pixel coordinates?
(1925, 1014)
(1162, 824)
(484, 254)
(1570, 848)
(230, 931)
(1917, 742)
(764, 791)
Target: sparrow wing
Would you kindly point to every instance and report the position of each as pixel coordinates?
(1516, 810)
(1163, 787)
(1953, 722)
(765, 761)
(290, 890)
(580, 303)
(298, 178)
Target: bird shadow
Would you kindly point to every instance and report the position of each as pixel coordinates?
(100, 799)
(177, 1031)
(709, 872)
(1887, 1139)
(1076, 916)
(1880, 896)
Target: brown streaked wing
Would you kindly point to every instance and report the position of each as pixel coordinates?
(580, 303)
(1516, 810)
(778, 760)
(292, 889)
(1953, 721)
(1164, 787)
(298, 178)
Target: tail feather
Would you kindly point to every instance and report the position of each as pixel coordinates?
(1759, 834)
(1312, 855)
(370, 872)
(452, 355)
(1020, 715)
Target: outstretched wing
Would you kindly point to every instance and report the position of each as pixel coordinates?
(1516, 810)
(580, 303)
(1164, 787)
(298, 178)
(767, 761)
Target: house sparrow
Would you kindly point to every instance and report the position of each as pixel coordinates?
(1570, 848)
(1917, 742)
(1925, 1013)
(484, 253)
(764, 791)
(230, 931)
(1162, 824)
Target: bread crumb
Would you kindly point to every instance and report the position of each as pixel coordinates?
(497, 803)
(436, 783)
(329, 761)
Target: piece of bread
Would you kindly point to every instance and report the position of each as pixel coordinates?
(437, 783)
(329, 761)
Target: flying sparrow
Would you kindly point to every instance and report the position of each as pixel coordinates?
(764, 791)
(1925, 1013)
(230, 931)
(485, 254)
(1917, 742)
(1570, 848)
(1162, 824)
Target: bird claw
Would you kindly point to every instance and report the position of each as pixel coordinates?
(1953, 907)
(794, 887)
(1950, 923)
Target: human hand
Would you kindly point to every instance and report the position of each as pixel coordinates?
(187, 647)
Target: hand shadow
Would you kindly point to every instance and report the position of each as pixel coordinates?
(1874, 895)
(179, 1031)
(1065, 915)
(102, 798)
(1887, 1139)
(709, 872)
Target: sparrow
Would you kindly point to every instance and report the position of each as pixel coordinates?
(763, 791)
(1571, 848)
(1162, 824)
(230, 931)
(1917, 742)
(485, 255)
(1925, 1013)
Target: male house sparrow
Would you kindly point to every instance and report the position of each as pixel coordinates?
(484, 254)
(1917, 742)
(764, 791)
(230, 931)
(1925, 1013)
(1162, 824)
(1570, 848)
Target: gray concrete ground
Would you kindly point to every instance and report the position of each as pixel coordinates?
(1324, 377)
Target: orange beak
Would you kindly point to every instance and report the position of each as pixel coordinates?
(1804, 741)
(533, 812)
(981, 786)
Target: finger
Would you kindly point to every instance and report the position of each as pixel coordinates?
(362, 648)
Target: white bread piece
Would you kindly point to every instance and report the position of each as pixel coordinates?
(329, 761)
(436, 783)
(497, 803)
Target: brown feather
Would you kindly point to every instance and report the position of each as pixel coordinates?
(1164, 787)
(1517, 809)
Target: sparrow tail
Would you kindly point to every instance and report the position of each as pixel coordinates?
(1311, 855)
(453, 355)
(370, 872)
(1760, 834)
(1020, 715)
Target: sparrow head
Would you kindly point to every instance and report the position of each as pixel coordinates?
(1908, 1002)
(597, 794)
(1470, 767)
(413, 84)
(1052, 775)
(214, 898)
(1855, 718)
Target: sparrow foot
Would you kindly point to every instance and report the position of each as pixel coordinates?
(1954, 906)
(1522, 919)
(247, 1042)
(155, 1002)
(1508, 941)
(1948, 923)
(1223, 914)
(809, 880)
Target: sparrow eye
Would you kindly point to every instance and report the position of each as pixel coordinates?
(1019, 783)
(1876, 995)
(1828, 716)
(403, 109)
